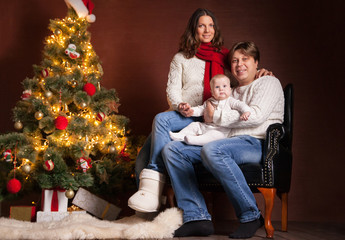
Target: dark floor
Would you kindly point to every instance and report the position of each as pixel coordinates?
(296, 231)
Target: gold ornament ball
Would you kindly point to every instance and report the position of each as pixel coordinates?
(111, 149)
(69, 193)
(18, 125)
(26, 168)
(74, 83)
(48, 94)
(83, 105)
(57, 32)
(39, 115)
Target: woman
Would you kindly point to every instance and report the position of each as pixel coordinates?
(244, 145)
(201, 56)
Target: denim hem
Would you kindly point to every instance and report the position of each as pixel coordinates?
(191, 216)
(250, 219)
(192, 219)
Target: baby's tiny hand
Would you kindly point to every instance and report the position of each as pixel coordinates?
(245, 116)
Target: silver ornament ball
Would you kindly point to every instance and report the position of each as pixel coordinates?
(111, 149)
(26, 168)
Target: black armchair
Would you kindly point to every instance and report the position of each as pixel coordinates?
(270, 177)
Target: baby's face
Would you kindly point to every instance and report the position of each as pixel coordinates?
(220, 88)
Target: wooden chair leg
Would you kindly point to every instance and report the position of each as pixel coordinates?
(284, 199)
(269, 194)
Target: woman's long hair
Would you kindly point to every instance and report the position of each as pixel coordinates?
(189, 44)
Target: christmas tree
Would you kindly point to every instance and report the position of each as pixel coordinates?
(70, 134)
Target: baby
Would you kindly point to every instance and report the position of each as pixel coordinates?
(200, 133)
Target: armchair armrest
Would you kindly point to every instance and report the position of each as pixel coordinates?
(275, 132)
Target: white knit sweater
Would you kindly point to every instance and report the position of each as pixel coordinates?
(265, 97)
(185, 81)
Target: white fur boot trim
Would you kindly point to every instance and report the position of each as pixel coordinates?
(148, 197)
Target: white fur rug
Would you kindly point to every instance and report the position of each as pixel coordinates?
(84, 226)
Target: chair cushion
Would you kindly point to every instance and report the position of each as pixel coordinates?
(253, 172)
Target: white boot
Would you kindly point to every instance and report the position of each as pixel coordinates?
(148, 197)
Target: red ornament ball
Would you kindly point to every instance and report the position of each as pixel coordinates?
(45, 73)
(100, 116)
(61, 122)
(26, 94)
(90, 89)
(48, 165)
(14, 185)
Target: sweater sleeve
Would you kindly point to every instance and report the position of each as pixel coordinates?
(174, 85)
(238, 105)
(262, 97)
(199, 110)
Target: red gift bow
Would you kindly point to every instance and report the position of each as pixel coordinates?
(55, 200)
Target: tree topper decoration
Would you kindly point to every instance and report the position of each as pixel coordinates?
(83, 8)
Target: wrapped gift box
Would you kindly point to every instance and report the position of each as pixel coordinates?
(25, 213)
(54, 216)
(54, 200)
(95, 205)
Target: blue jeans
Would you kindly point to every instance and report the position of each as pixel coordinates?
(221, 158)
(150, 154)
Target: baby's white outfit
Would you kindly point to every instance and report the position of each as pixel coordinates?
(200, 133)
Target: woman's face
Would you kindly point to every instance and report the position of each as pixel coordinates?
(243, 67)
(205, 29)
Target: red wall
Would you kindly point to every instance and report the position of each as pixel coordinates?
(302, 43)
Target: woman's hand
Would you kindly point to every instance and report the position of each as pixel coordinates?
(209, 112)
(185, 109)
(263, 72)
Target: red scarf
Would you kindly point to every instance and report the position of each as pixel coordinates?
(215, 64)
